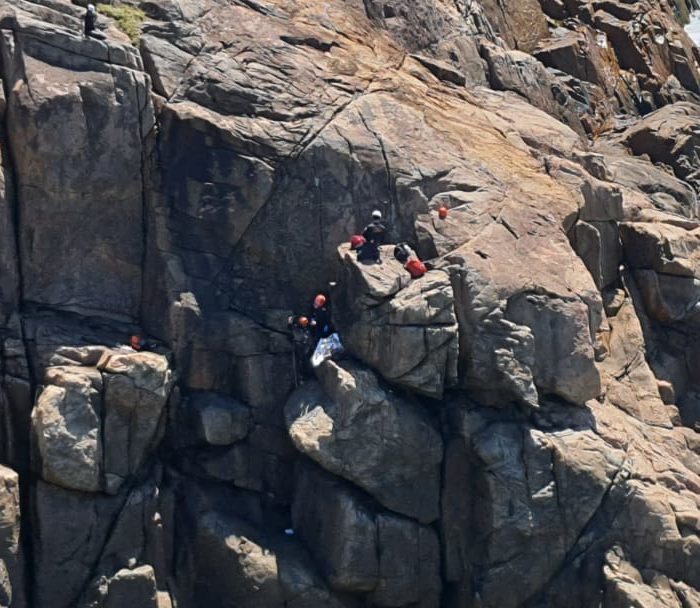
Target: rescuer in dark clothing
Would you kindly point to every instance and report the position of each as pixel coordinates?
(300, 327)
(321, 325)
(91, 23)
(374, 234)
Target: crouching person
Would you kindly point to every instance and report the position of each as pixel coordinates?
(90, 21)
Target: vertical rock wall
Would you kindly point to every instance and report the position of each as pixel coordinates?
(514, 429)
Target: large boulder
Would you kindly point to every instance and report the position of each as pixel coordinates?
(128, 587)
(525, 330)
(664, 191)
(393, 560)
(352, 427)
(405, 329)
(578, 52)
(595, 236)
(136, 390)
(94, 426)
(67, 428)
(211, 419)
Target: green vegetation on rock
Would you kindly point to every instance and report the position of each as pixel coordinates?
(128, 18)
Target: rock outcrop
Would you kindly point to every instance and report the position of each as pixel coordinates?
(95, 426)
(517, 428)
(352, 427)
(394, 561)
(405, 329)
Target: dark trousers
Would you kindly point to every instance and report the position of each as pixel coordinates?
(369, 252)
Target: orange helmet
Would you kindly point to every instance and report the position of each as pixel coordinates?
(319, 301)
(442, 212)
(303, 322)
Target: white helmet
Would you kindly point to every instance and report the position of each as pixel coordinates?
(376, 214)
(91, 8)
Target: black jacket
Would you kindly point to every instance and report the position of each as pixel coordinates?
(90, 22)
(322, 326)
(375, 233)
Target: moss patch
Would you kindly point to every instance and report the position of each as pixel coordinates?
(128, 18)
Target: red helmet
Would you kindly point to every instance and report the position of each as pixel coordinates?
(357, 241)
(319, 301)
(442, 212)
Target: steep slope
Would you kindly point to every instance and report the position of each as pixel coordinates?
(514, 429)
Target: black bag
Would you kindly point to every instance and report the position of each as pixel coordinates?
(402, 252)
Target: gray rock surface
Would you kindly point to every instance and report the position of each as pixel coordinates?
(212, 419)
(236, 563)
(394, 560)
(67, 428)
(511, 485)
(352, 426)
(94, 426)
(93, 196)
(516, 428)
(404, 328)
(128, 587)
(664, 260)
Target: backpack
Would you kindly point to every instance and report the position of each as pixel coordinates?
(416, 268)
(402, 252)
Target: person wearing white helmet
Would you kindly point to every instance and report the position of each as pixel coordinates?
(90, 20)
(374, 234)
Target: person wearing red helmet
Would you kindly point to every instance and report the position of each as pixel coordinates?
(300, 327)
(357, 242)
(321, 324)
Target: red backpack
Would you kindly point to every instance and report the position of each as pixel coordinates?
(416, 268)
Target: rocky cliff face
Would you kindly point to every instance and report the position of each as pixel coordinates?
(516, 429)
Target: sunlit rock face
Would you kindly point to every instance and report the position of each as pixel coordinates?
(517, 428)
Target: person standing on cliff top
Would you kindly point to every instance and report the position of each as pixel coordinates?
(90, 20)
(374, 234)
